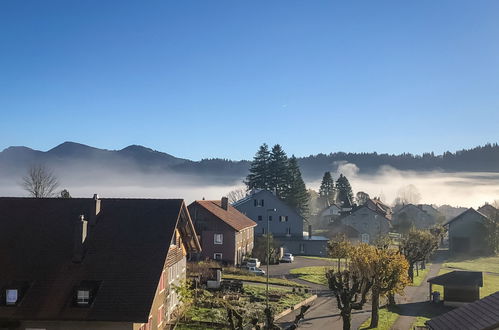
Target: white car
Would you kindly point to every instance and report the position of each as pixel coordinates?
(256, 271)
(253, 262)
(287, 257)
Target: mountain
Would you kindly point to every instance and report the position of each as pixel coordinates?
(72, 158)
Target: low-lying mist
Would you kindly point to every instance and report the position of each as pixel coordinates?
(457, 189)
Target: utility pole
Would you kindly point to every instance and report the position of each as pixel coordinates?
(268, 260)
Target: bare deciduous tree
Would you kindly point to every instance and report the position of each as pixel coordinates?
(40, 182)
(236, 195)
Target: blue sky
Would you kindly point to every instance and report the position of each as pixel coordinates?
(215, 78)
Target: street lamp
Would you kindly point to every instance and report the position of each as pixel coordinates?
(268, 255)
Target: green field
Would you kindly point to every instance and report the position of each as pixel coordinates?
(486, 264)
(313, 274)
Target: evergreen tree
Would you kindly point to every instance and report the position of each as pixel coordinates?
(259, 176)
(344, 191)
(326, 190)
(296, 194)
(278, 170)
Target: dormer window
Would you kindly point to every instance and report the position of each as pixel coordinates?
(83, 297)
(11, 296)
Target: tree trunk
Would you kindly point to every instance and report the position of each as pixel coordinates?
(411, 272)
(339, 264)
(417, 269)
(391, 299)
(346, 316)
(375, 308)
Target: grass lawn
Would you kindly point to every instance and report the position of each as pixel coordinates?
(262, 279)
(387, 316)
(321, 258)
(485, 264)
(422, 274)
(314, 274)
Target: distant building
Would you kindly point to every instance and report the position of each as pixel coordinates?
(285, 224)
(482, 314)
(369, 224)
(226, 234)
(412, 215)
(460, 287)
(83, 263)
(329, 215)
(488, 210)
(378, 206)
(467, 232)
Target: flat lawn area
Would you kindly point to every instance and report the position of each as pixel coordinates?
(386, 318)
(314, 274)
(321, 258)
(419, 278)
(262, 279)
(485, 264)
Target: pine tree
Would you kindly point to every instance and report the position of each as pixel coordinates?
(278, 169)
(259, 176)
(296, 194)
(326, 190)
(344, 191)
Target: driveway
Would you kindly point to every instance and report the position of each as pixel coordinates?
(282, 270)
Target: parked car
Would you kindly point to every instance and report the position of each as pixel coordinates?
(256, 271)
(287, 257)
(252, 262)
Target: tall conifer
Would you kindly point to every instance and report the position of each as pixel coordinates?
(278, 169)
(259, 176)
(344, 191)
(296, 194)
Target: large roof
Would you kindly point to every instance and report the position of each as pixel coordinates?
(458, 278)
(482, 314)
(125, 253)
(231, 216)
(470, 210)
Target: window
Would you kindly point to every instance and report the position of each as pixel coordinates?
(283, 218)
(162, 282)
(255, 202)
(258, 203)
(288, 231)
(262, 203)
(302, 248)
(365, 238)
(260, 218)
(11, 296)
(217, 256)
(263, 230)
(161, 312)
(83, 297)
(270, 218)
(218, 238)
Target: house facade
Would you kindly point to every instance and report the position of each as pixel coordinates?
(378, 206)
(90, 263)
(413, 215)
(329, 215)
(284, 222)
(467, 232)
(226, 234)
(367, 223)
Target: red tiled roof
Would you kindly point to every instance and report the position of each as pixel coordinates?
(125, 253)
(231, 216)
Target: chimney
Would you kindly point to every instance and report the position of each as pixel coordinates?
(309, 231)
(80, 235)
(225, 203)
(94, 210)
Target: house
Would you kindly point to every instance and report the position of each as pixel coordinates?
(90, 263)
(226, 234)
(412, 215)
(378, 206)
(460, 287)
(482, 314)
(368, 223)
(329, 215)
(284, 222)
(488, 210)
(467, 232)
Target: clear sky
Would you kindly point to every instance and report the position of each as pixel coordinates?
(216, 78)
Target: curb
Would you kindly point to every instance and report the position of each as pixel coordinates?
(289, 310)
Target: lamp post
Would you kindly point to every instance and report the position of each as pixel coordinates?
(268, 256)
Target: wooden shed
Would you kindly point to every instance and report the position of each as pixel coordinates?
(459, 286)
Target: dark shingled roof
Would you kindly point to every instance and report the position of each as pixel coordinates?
(458, 278)
(126, 251)
(482, 314)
